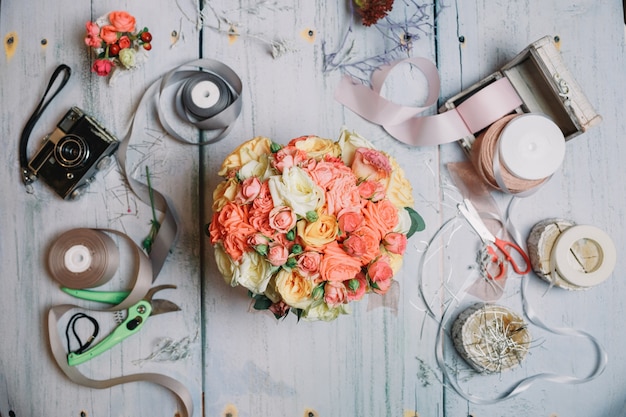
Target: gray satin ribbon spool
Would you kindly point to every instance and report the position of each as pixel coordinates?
(220, 123)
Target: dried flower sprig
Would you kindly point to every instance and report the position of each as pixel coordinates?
(154, 223)
(231, 28)
(372, 11)
(398, 34)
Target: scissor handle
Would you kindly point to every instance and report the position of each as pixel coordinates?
(497, 262)
(505, 247)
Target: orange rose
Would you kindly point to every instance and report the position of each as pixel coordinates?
(294, 288)
(235, 229)
(381, 216)
(122, 21)
(108, 34)
(319, 233)
(337, 265)
(372, 243)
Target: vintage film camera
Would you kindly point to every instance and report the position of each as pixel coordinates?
(73, 153)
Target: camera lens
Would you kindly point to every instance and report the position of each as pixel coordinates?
(71, 151)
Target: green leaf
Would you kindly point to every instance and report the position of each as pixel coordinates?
(262, 302)
(417, 223)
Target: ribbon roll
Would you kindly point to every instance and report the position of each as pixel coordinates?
(208, 95)
(479, 111)
(83, 258)
(571, 256)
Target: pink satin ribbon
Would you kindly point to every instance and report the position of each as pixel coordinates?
(402, 122)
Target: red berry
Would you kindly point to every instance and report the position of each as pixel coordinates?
(114, 49)
(147, 46)
(146, 37)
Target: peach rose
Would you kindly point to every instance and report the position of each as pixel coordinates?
(318, 233)
(294, 288)
(355, 246)
(122, 21)
(395, 242)
(108, 34)
(337, 265)
(251, 150)
(370, 164)
(335, 293)
(288, 157)
(356, 287)
(381, 216)
(282, 219)
(372, 243)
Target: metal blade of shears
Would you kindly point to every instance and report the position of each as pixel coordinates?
(468, 211)
(163, 306)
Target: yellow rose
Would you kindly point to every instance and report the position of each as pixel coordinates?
(349, 142)
(395, 260)
(257, 168)
(322, 311)
(253, 272)
(317, 147)
(225, 265)
(246, 152)
(224, 193)
(294, 288)
(318, 233)
(399, 190)
(296, 189)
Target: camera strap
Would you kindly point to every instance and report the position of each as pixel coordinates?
(27, 175)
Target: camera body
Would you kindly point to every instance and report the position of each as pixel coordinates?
(73, 153)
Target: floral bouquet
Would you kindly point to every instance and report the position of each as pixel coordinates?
(311, 226)
(116, 42)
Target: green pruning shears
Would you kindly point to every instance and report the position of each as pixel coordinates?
(136, 316)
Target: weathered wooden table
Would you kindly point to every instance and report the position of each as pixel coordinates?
(380, 360)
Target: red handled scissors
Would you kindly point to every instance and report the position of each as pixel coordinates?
(508, 249)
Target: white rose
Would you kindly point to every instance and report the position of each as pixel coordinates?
(296, 189)
(349, 142)
(253, 272)
(404, 221)
(321, 311)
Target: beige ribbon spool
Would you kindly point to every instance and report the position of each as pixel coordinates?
(84, 258)
(574, 257)
(490, 337)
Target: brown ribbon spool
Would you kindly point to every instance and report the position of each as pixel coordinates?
(83, 258)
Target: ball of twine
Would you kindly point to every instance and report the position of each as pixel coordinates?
(482, 156)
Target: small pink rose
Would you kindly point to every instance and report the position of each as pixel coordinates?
(355, 246)
(395, 242)
(356, 287)
(102, 67)
(371, 190)
(93, 41)
(257, 239)
(349, 221)
(248, 190)
(371, 164)
(335, 293)
(93, 30)
(108, 34)
(124, 42)
(282, 219)
(277, 254)
(280, 309)
(381, 274)
(309, 262)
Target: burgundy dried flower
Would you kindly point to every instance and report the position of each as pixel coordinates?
(372, 11)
